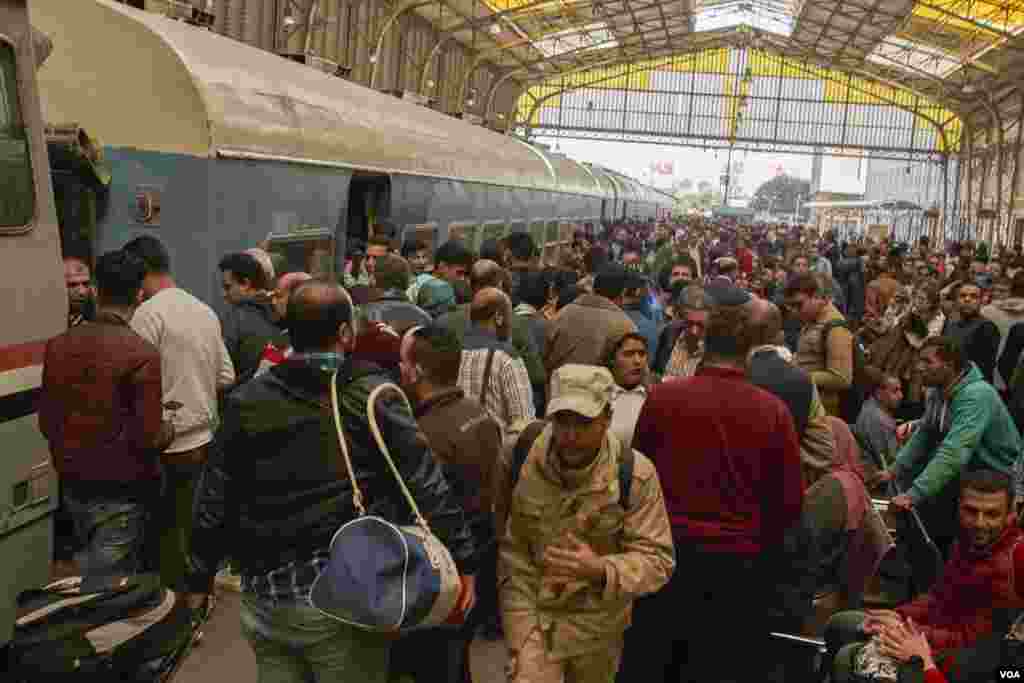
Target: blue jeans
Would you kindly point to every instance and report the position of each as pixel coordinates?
(295, 643)
(110, 534)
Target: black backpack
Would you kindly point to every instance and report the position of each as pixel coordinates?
(525, 442)
(852, 399)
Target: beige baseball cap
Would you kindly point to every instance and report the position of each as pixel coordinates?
(582, 389)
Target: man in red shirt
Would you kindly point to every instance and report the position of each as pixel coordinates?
(100, 409)
(729, 459)
(981, 577)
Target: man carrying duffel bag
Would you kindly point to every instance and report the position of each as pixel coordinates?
(278, 487)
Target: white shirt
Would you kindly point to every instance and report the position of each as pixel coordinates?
(194, 362)
(626, 406)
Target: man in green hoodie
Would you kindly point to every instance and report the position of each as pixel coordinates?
(965, 427)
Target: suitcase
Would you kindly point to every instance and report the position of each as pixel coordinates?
(130, 629)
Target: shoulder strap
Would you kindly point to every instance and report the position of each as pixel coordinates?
(521, 450)
(487, 378)
(626, 463)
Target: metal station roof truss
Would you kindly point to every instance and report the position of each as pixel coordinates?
(943, 63)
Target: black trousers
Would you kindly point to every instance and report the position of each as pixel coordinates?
(709, 623)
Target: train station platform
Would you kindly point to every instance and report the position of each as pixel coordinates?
(224, 655)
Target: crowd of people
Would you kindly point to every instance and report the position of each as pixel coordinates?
(645, 449)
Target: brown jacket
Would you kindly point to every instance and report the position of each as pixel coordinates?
(548, 504)
(100, 407)
(581, 331)
(466, 440)
(831, 368)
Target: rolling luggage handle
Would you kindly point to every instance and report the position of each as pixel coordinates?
(895, 491)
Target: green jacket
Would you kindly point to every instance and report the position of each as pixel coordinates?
(966, 428)
(519, 338)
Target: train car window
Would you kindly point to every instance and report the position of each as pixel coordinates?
(17, 192)
(466, 232)
(493, 230)
(552, 232)
(516, 226)
(537, 232)
(309, 250)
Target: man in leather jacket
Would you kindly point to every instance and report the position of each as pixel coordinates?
(391, 306)
(274, 492)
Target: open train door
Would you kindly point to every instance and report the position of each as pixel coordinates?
(369, 202)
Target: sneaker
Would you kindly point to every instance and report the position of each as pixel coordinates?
(228, 580)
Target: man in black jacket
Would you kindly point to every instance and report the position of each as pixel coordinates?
(978, 335)
(249, 323)
(849, 272)
(392, 306)
(274, 493)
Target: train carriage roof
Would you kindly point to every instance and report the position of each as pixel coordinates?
(140, 80)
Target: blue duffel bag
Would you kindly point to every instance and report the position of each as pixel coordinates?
(383, 576)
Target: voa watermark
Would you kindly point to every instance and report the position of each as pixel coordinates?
(1009, 675)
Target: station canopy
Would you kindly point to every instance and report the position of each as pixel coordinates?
(942, 62)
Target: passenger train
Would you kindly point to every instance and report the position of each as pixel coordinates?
(212, 145)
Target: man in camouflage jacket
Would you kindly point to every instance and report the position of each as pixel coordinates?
(575, 554)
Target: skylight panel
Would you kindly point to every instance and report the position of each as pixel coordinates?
(765, 15)
(592, 36)
(914, 57)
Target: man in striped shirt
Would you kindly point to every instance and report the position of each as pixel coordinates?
(492, 373)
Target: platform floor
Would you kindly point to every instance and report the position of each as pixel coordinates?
(224, 655)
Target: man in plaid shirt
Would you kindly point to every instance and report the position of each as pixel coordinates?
(492, 373)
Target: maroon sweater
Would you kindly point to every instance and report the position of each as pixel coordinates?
(957, 611)
(100, 407)
(728, 458)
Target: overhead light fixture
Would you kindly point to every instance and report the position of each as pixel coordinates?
(373, 58)
(431, 84)
(289, 21)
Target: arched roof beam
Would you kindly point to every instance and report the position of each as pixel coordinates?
(940, 128)
(393, 17)
(449, 33)
(385, 27)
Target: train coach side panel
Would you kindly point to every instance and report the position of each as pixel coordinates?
(203, 208)
(164, 195)
(250, 199)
